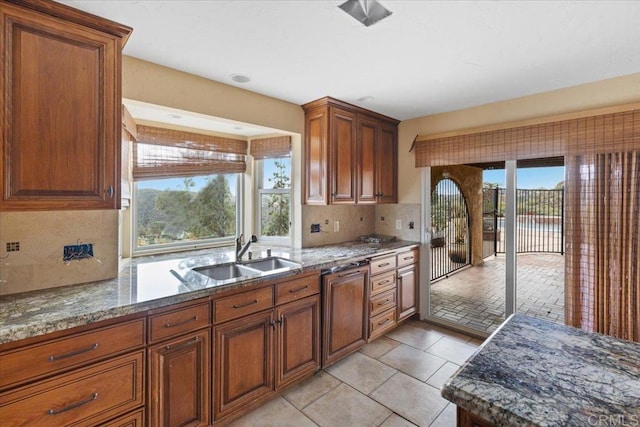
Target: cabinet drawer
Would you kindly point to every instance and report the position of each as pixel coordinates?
(382, 302)
(242, 304)
(383, 282)
(379, 324)
(407, 258)
(135, 419)
(297, 289)
(88, 396)
(25, 364)
(379, 265)
(177, 322)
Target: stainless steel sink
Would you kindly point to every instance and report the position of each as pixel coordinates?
(224, 272)
(272, 263)
(235, 272)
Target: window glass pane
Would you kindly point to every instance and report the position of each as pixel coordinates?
(184, 210)
(274, 219)
(276, 173)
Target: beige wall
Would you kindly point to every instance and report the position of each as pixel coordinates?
(621, 90)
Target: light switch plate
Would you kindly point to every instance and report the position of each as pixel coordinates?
(398, 224)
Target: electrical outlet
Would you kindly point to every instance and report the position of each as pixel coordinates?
(79, 251)
(326, 222)
(398, 224)
(336, 226)
(315, 228)
(411, 225)
(13, 246)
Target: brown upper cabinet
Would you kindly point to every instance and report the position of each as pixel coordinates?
(351, 154)
(61, 107)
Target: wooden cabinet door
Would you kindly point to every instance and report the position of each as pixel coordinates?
(298, 340)
(316, 157)
(407, 291)
(243, 362)
(179, 381)
(342, 156)
(387, 164)
(367, 159)
(345, 313)
(60, 113)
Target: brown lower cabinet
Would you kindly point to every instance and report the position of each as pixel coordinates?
(346, 317)
(179, 373)
(260, 353)
(407, 291)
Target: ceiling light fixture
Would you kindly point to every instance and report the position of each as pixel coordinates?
(366, 11)
(366, 99)
(240, 78)
(175, 116)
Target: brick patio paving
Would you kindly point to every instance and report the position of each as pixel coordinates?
(474, 297)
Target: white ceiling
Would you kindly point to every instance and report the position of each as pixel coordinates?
(428, 57)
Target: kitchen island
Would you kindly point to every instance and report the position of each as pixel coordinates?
(535, 372)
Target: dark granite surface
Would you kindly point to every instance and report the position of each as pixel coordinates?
(148, 282)
(532, 372)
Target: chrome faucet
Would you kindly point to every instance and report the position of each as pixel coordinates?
(240, 250)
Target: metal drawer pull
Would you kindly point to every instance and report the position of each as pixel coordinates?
(293, 291)
(183, 344)
(53, 357)
(384, 282)
(384, 302)
(184, 322)
(384, 264)
(384, 323)
(255, 301)
(407, 258)
(91, 398)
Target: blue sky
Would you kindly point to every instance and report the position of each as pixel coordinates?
(528, 178)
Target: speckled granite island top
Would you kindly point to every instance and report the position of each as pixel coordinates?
(534, 372)
(152, 282)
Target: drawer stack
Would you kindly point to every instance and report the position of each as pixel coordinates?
(382, 295)
(85, 378)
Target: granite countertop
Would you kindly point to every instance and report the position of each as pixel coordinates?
(148, 282)
(535, 372)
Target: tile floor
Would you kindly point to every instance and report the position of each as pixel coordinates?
(474, 297)
(393, 381)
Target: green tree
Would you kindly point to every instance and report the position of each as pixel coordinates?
(213, 209)
(275, 207)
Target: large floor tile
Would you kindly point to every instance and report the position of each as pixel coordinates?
(379, 347)
(443, 374)
(412, 399)
(447, 418)
(415, 337)
(396, 420)
(459, 336)
(311, 389)
(413, 362)
(452, 350)
(345, 406)
(361, 372)
(276, 413)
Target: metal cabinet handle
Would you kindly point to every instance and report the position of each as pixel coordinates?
(384, 302)
(54, 357)
(109, 191)
(384, 323)
(293, 291)
(384, 282)
(353, 273)
(384, 264)
(182, 344)
(91, 398)
(255, 301)
(184, 322)
(407, 258)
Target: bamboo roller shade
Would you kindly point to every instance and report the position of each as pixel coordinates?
(603, 133)
(277, 146)
(171, 153)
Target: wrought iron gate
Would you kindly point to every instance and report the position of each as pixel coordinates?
(450, 238)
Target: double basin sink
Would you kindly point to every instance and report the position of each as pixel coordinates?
(237, 271)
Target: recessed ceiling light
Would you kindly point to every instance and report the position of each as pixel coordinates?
(175, 116)
(366, 11)
(240, 78)
(366, 99)
(238, 127)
